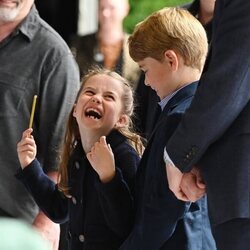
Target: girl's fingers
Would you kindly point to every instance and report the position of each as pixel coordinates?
(26, 141)
(26, 148)
(103, 140)
(27, 133)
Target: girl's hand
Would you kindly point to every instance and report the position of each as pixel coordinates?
(102, 160)
(26, 148)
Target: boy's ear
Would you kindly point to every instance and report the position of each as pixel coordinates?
(74, 110)
(122, 122)
(172, 58)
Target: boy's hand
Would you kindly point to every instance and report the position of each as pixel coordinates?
(174, 178)
(26, 148)
(102, 160)
(185, 186)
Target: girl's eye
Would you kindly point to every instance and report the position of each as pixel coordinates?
(89, 92)
(110, 97)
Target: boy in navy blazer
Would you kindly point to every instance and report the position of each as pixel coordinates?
(170, 46)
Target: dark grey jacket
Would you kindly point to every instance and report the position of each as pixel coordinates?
(34, 60)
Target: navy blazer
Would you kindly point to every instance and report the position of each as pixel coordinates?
(215, 132)
(100, 215)
(162, 221)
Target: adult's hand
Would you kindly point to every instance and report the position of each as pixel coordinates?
(192, 185)
(48, 229)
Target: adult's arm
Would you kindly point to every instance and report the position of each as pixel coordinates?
(224, 86)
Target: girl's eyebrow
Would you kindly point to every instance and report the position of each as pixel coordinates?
(91, 88)
(114, 94)
(110, 92)
(106, 92)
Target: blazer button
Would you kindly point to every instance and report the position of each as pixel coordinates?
(77, 165)
(74, 200)
(81, 237)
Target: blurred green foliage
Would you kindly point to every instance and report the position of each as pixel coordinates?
(139, 9)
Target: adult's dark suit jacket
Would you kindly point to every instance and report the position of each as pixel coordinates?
(162, 221)
(215, 132)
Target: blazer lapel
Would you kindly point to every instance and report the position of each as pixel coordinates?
(185, 93)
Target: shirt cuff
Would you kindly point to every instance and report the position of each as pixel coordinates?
(167, 159)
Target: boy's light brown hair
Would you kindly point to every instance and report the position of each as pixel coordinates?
(170, 29)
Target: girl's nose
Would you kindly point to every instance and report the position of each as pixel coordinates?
(96, 99)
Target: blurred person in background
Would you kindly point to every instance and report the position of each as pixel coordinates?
(108, 46)
(19, 235)
(203, 10)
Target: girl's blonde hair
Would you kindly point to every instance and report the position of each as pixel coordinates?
(170, 29)
(72, 131)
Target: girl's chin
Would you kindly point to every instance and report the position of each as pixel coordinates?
(90, 123)
(89, 120)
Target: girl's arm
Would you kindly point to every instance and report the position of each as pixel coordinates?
(116, 191)
(40, 186)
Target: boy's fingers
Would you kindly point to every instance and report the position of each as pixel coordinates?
(109, 147)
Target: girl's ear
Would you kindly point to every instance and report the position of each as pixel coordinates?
(122, 122)
(172, 59)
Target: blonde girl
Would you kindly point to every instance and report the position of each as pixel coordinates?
(98, 165)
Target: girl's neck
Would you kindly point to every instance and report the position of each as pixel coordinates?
(89, 138)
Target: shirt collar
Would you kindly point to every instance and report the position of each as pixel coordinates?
(29, 25)
(165, 100)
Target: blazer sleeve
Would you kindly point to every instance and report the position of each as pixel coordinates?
(44, 191)
(223, 90)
